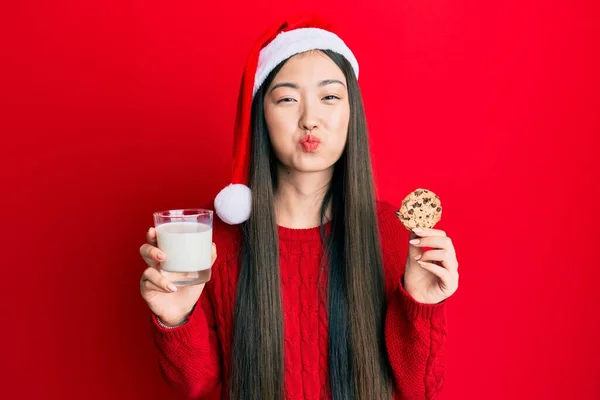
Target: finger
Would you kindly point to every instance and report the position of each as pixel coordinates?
(445, 257)
(149, 286)
(152, 254)
(423, 232)
(151, 236)
(434, 242)
(153, 276)
(213, 256)
(435, 269)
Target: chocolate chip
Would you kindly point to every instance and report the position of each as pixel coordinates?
(411, 211)
(426, 200)
(418, 192)
(438, 209)
(433, 205)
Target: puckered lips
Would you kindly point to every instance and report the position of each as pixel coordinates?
(310, 143)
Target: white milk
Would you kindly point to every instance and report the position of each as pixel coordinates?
(188, 246)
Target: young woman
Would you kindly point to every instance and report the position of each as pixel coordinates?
(317, 292)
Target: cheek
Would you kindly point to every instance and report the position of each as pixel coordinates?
(280, 146)
(340, 117)
(278, 126)
(339, 122)
(275, 124)
(279, 122)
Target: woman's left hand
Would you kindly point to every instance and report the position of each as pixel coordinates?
(431, 276)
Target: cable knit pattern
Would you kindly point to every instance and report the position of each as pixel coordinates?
(195, 357)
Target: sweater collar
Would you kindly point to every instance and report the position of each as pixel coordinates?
(306, 234)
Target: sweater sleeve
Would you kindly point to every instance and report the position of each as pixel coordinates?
(415, 333)
(188, 355)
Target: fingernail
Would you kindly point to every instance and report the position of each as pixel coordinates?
(172, 287)
(417, 230)
(418, 257)
(414, 241)
(160, 256)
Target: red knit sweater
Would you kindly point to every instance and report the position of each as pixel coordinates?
(195, 357)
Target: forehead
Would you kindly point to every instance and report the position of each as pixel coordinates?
(310, 65)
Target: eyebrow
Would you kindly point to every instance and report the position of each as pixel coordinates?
(295, 86)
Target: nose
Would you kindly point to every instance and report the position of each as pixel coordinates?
(308, 120)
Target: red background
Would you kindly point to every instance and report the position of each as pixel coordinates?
(112, 110)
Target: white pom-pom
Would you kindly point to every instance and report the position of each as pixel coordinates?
(234, 203)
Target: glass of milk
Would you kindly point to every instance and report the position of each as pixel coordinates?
(185, 236)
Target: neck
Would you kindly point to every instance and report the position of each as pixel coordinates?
(299, 197)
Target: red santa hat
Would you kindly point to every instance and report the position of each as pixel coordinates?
(283, 40)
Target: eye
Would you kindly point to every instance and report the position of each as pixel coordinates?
(330, 97)
(285, 100)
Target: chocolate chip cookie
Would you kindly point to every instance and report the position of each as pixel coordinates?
(420, 209)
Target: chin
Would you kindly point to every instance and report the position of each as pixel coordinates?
(312, 165)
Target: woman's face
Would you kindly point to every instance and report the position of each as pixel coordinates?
(307, 112)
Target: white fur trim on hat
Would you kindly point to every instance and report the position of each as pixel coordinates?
(296, 41)
(234, 203)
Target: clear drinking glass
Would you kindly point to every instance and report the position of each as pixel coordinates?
(185, 236)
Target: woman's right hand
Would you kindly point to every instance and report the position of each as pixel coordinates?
(170, 303)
